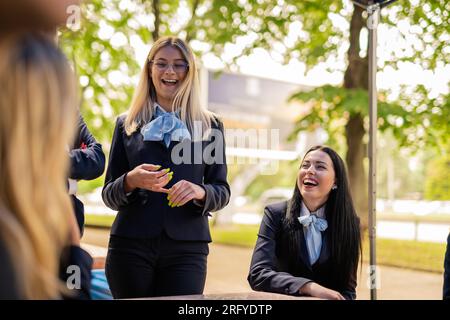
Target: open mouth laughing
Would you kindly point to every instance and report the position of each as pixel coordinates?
(310, 182)
(169, 82)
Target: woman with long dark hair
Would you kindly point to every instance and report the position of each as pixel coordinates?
(311, 244)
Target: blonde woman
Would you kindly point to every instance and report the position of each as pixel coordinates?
(166, 172)
(39, 236)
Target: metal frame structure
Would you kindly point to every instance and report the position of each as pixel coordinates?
(373, 9)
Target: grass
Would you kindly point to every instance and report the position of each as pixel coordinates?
(426, 256)
(237, 235)
(95, 220)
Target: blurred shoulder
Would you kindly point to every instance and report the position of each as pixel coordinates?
(277, 209)
(216, 121)
(121, 119)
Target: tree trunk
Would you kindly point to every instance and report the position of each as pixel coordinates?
(356, 76)
(356, 153)
(156, 13)
(191, 25)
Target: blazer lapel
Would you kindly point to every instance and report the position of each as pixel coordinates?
(304, 256)
(325, 250)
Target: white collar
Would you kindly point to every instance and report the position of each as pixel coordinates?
(320, 213)
(156, 105)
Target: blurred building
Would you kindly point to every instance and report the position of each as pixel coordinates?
(258, 119)
(250, 102)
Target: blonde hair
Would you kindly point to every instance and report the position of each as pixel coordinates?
(186, 100)
(36, 124)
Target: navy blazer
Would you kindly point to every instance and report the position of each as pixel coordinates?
(270, 268)
(87, 162)
(145, 214)
(446, 292)
(72, 255)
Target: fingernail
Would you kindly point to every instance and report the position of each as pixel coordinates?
(158, 166)
(170, 204)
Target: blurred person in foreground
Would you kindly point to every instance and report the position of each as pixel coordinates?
(311, 244)
(446, 291)
(87, 162)
(30, 15)
(39, 237)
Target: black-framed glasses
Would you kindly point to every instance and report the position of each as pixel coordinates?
(177, 66)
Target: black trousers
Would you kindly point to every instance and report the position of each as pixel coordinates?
(155, 267)
(78, 207)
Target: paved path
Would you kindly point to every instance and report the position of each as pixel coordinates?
(228, 268)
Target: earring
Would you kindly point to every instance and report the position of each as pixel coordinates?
(334, 187)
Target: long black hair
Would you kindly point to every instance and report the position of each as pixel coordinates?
(343, 224)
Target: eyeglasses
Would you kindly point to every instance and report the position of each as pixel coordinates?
(177, 67)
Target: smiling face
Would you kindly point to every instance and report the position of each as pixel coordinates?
(168, 69)
(316, 178)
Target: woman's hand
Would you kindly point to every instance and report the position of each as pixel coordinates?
(315, 290)
(184, 191)
(147, 176)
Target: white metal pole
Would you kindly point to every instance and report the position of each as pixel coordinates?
(373, 11)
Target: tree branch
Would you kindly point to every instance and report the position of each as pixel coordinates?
(356, 73)
(156, 13)
(189, 26)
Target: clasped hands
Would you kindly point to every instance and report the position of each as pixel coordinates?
(152, 177)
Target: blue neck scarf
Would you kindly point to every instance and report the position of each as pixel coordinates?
(313, 225)
(165, 126)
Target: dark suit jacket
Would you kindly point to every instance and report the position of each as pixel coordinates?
(145, 214)
(270, 268)
(87, 162)
(446, 292)
(72, 255)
